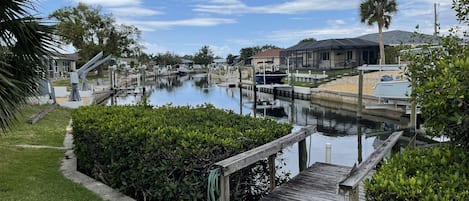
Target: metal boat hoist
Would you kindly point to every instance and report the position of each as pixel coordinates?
(83, 71)
(390, 92)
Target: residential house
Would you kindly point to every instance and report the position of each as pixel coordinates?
(267, 58)
(219, 63)
(331, 54)
(59, 65)
(187, 62)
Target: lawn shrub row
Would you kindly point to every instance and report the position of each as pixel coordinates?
(440, 173)
(165, 153)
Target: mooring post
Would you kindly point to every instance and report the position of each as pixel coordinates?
(360, 94)
(292, 84)
(359, 142)
(302, 155)
(240, 91)
(328, 153)
(224, 188)
(254, 89)
(272, 172)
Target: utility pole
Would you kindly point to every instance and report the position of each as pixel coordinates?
(436, 19)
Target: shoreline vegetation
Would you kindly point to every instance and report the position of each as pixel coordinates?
(32, 173)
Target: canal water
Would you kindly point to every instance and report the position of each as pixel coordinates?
(339, 128)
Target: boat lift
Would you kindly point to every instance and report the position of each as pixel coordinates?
(390, 92)
(83, 71)
(393, 91)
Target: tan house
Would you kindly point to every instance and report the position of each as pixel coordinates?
(268, 59)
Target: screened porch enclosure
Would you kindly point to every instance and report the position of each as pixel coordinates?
(331, 54)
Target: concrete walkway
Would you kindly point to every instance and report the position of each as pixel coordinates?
(69, 170)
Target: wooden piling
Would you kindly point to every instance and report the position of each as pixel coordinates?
(302, 155)
(272, 171)
(360, 95)
(359, 142)
(225, 188)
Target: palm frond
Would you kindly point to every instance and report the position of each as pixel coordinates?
(24, 42)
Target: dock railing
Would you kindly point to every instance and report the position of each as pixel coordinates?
(351, 182)
(268, 150)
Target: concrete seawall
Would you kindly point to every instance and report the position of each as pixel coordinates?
(348, 101)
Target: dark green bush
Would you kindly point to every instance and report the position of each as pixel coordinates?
(440, 173)
(164, 153)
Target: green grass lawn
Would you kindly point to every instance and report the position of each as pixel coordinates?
(33, 174)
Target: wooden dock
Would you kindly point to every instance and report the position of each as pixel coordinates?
(317, 183)
(321, 181)
(327, 182)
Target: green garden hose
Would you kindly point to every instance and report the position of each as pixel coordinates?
(213, 190)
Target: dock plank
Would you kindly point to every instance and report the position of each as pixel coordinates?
(317, 183)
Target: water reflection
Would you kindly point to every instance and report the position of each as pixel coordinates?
(338, 127)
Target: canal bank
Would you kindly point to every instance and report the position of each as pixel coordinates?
(329, 98)
(349, 102)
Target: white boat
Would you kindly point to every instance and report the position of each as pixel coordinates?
(392, 89)
(391, 93)
(183, 70)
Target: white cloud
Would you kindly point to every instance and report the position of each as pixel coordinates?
(134, 11)
(154, 48)
(300, 18)
(417, 12)
(110, 3)
(336, 22)
(221, 51)
(194, 22)
(290, 7)
(243, 42)
(293, 36)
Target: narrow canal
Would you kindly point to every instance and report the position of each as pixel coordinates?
(339, 128)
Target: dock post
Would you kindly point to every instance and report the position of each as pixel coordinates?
(359, 142)
(328, 153)
(272, 172)
(254, 90)
(240, 91)
(360, 94)
(354, 194)
(302, 155)
(225, 188)
(413, 117)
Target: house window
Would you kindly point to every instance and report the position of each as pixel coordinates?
(310, 55)
(325, 56)
(349, 55)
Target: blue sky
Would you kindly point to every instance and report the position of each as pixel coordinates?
(184, 26)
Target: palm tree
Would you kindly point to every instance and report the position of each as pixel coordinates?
(24, 43)
(378, 11)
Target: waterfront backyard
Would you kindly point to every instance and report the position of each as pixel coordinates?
(31, 174)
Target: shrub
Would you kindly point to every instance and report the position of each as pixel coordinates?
(440, 173)
(164, 153)
(440, 81)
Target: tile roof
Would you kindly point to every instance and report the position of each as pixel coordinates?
(397, 37)
(268, 54)
(332, 44)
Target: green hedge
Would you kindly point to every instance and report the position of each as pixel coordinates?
(440, 173)
(165, 153)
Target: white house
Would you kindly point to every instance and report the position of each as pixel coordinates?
(59, 65)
